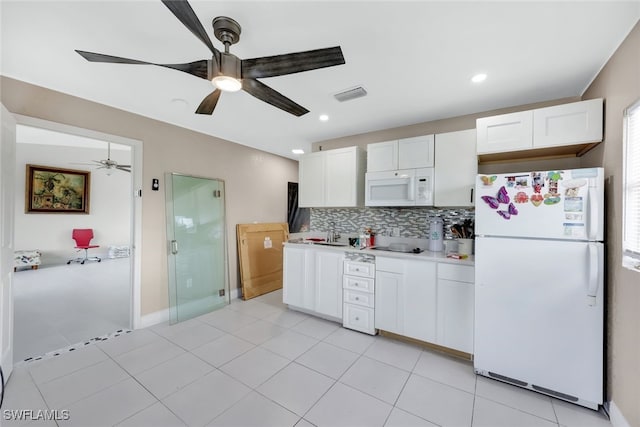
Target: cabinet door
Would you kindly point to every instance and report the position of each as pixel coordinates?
(388, 301)
(340, 177)
(419, 300)
(575, 123)
(455, 315)
(382, 156)
(456, 166)
(507, 132)
(311, 180)
(294, 280)
(328, 286)
(416, 152)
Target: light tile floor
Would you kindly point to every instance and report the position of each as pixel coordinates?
(256, 363)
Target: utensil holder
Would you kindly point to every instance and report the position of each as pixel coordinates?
(465, 246)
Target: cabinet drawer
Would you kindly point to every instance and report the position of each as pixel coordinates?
(362, 269)
(362, 284)
(460, 273)
(359, 298)
(358, 318)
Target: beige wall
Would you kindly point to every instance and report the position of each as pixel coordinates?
(256, 182)
(619, 84)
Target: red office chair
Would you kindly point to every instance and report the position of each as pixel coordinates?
(83, 237)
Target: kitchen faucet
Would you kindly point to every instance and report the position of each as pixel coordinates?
(332, 234)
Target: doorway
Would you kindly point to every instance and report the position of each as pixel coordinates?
(198, 276)
(100, 297)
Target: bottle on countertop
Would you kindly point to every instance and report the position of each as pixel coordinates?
(435, 235)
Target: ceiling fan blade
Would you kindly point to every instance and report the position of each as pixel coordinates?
(123, 168)
(183, 11)
(208, 104)
(196, 68)
(273, 97)
(278, 65)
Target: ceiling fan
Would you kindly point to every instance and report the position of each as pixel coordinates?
(229, 73)
(108, 164)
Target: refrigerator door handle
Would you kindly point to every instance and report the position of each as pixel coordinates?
(593, 274)
(593, 212)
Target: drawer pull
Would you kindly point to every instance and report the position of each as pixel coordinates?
(355, 284)
(357, 318)
(357, 269)
(357, 298)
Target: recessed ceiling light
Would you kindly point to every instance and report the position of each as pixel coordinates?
(297, 151)
(323, 117)
(479, 78)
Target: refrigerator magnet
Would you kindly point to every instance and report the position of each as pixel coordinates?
(573, 204)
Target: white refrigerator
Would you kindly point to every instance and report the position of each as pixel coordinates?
(539, 297)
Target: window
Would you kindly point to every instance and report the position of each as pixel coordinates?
(631, 188)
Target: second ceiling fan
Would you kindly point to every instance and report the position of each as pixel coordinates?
(229, 73)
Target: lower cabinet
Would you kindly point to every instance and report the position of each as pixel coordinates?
(358, 296)
(406, 297)
(426, 300)
(313, 280)
(328, 266)
(455, 306)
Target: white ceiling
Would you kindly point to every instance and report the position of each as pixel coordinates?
(414, 58)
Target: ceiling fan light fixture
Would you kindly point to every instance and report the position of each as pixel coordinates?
(226, 83)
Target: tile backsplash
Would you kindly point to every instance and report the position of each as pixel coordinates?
(409, 222)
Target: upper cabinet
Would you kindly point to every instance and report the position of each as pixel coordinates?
(567, 124)
(333, 178)
(408, 153)
(507, 132)
(560, 130)
(456, 166)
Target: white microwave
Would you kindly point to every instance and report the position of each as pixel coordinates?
(408, 187)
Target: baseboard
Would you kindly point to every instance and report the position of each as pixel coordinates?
(163, 315)
(154, 318)
(616, 417)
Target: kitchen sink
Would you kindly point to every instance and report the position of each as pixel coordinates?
(331, 243)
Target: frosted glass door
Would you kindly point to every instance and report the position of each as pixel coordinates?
(196, 246)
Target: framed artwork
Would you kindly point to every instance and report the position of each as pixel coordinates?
(55, 190)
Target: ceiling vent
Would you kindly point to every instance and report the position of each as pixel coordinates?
(349, 94)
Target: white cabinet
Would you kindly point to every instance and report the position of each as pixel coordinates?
(507, 132)
(420, 300)
(333, 178)
(425, 300)
(456, 166)
(298, 283)
(382, 156)
(416, 152)
(328, 266)
(568, 124)
(359, 301)
(576, 124)
(455, 307)
(405, 297)
(313, 279)
(311, 180)
(407, 153)
(389, 297)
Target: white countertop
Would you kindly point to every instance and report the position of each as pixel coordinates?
(426, 255)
